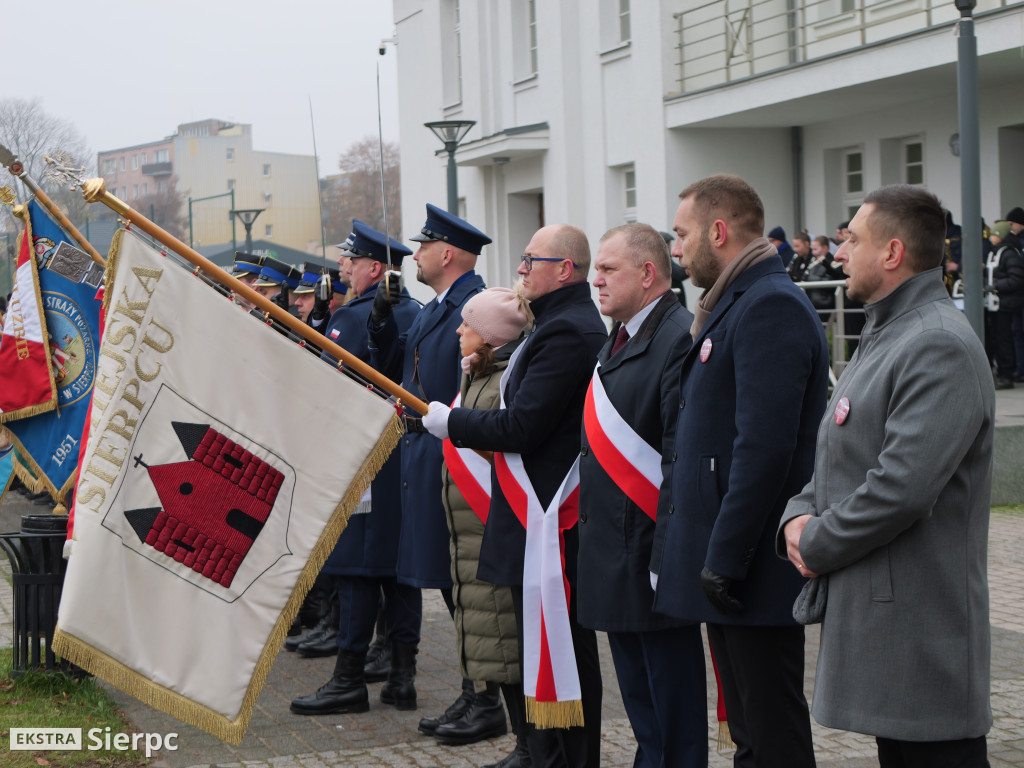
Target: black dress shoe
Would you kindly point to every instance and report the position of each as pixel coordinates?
(484, 719)
(345, 692)
(520, 758)
(400, 690)
(321, 640)
(428, 725)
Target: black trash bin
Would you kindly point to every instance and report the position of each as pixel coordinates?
(38, 569)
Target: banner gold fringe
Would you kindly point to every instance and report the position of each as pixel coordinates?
(554, 714)
(231, 731)
(725, 742)
(49, 405)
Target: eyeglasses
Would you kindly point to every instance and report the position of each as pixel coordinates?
(528, 260)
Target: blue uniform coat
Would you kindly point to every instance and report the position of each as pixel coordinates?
(744, 444)
(542, 421)
(369, 544)
(428, 360)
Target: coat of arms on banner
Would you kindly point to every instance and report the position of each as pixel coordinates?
(216, 506)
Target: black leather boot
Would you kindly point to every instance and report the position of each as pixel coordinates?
(399, 689)
(322, 640)
(456, 710)
(378, 658)
(484, 719)
(344, 692)
(520, 757)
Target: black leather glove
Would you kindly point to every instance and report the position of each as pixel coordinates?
(990, 288)
(716, 589)
(385, 298)
(322, 303)
(281, 299)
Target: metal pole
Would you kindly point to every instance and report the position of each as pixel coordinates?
(453, 179)
(234, 237)
(191, 242)
(970, 165)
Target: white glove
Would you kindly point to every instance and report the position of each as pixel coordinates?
(654, 580)
(436, 420)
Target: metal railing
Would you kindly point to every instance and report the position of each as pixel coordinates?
(725, 40)
(835, 322)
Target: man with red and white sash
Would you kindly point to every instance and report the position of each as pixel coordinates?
(628, 423)
(537, 440)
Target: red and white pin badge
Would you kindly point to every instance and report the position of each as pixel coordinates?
(842, 410)
(705, 350)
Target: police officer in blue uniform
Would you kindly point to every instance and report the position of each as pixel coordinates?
(276, 280)
(428, 361)
(365, 555)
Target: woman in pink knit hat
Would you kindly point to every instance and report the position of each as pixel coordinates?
(493, 323)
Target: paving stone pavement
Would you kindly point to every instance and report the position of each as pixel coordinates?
(386, 737)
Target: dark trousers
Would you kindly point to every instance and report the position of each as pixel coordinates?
(962, 753)
(662, 680)
(762, 672)
(569, 747)
(359, 598)
(1017, 327)
(1006, 363)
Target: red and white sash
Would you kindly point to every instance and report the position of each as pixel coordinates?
(470, 472)
(551, 682)
(629, 460)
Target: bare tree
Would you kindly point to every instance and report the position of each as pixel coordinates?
(31, 134)
(166, 208)
(356, 192)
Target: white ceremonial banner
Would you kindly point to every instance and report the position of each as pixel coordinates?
(222, 465)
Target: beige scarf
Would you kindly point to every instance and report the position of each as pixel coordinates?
(756, 251)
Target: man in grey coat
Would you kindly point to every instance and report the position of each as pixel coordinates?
(896, 513)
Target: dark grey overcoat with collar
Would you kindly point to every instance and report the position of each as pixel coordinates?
(900, 497)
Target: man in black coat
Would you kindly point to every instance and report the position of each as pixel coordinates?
(751, 399)
(543, 395)
(628, 423)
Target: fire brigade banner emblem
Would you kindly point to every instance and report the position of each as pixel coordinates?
(203, 514)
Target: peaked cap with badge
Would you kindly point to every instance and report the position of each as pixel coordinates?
(449, 228)
(367, 242)
(247, 264)
(311, 274)
(274, 272)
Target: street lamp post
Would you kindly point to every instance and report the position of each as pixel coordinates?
(970, 165)
(191, 234)
(248, 216)
(451, 133)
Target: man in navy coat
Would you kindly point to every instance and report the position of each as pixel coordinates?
(625, 471)
(429, 363)
(365, 555)
(753, 391)
(546, 384)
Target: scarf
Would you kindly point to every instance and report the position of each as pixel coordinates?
(757, 250)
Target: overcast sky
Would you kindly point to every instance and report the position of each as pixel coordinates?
(127, 72)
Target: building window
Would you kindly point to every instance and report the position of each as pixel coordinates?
(630, 178)
(267, 198)
(624, 31)
(145, 190)
(135, 191)
(231, 153)
(266, 169)
(135, 162)
(853, 180)
(269, 230)
(231, 184)
(142, 158)
(122, 163)
(109, 166)
(451, 54)
(124, 193)
(524, 39)
(160, 156)
(162, 186)
(913, 161)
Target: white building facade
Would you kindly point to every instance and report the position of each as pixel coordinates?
(597, 112)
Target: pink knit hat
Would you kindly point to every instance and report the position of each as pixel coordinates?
(497, 314)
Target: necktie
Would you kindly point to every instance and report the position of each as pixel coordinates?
(620, 339)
